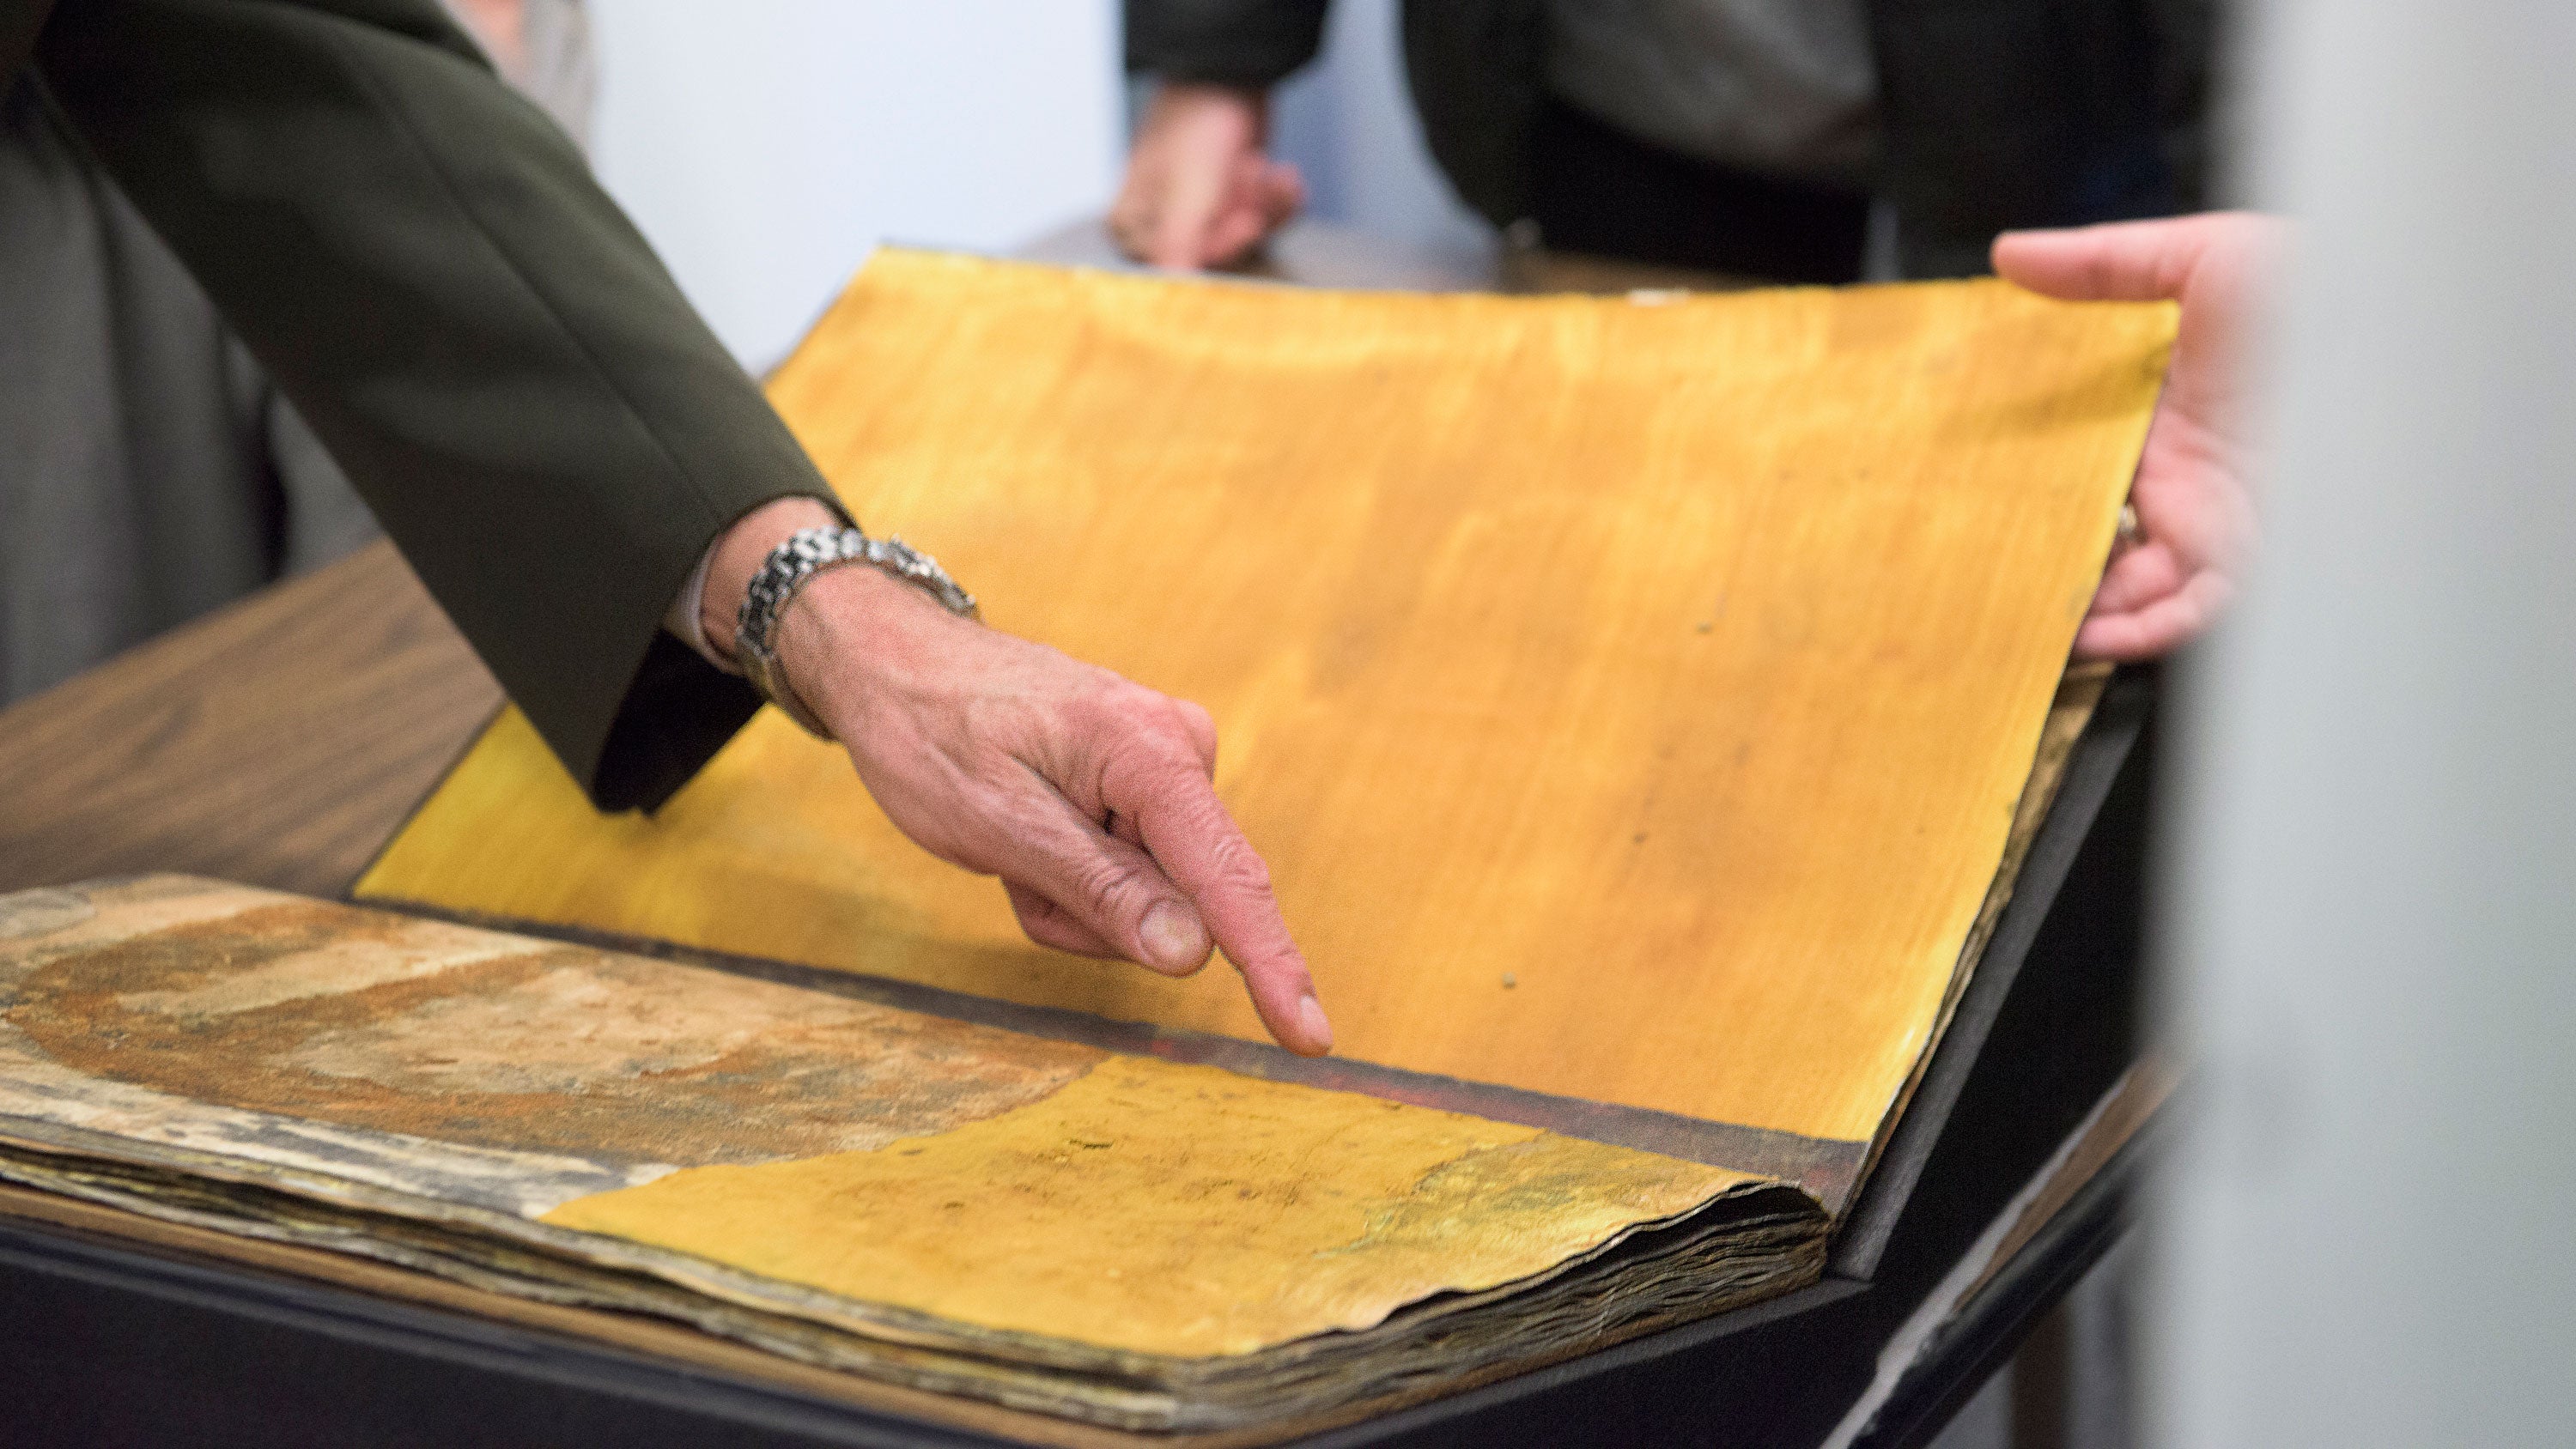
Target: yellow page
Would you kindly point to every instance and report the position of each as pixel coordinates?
(1630, 697)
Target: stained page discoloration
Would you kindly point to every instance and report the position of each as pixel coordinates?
(361, 1019)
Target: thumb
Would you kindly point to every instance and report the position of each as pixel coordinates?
(1078, 888)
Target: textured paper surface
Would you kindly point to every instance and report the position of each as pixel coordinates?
(1679, 663)
(882, 1157)
(1168, 1209)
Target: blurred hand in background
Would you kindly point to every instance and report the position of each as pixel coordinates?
(1201, 190)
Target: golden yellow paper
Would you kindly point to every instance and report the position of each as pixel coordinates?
(1168, 1209)
(1678, 662)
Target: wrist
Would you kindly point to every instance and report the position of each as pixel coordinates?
(797, 664)
(1179, 99)
(846, 627)
(738, 554)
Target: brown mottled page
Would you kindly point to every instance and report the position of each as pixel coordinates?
(939, 1203)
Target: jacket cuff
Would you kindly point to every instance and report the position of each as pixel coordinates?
(679, 711)
(1253, 44)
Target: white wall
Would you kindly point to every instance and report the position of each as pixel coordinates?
(765, 145)
(2375, 1235)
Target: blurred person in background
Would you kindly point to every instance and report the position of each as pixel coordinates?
(1759, 140)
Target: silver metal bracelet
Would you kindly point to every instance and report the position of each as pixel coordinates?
(807, 552)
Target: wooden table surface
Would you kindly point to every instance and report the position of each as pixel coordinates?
(278, 742)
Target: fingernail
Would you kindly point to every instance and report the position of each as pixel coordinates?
(1175, 942)
(1310, 1020)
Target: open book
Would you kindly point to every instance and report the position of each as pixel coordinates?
(1641, 704)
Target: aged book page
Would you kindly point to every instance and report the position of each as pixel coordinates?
(928, 1200)
(1631, 696)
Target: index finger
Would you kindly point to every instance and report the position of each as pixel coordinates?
(1192, 836)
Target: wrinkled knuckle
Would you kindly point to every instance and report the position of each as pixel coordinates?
(1035, 819)
(1098, 700)
(1171, 726)
(1141, 726)
(1170, 716)
(1109, 889)
(1134, 701)
(1234, 862)
(1150, 773)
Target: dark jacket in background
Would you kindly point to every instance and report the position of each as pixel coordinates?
(1993, 114)
(423, 263)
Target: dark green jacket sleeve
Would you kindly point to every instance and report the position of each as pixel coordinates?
(488, 348)
(1248, 43)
